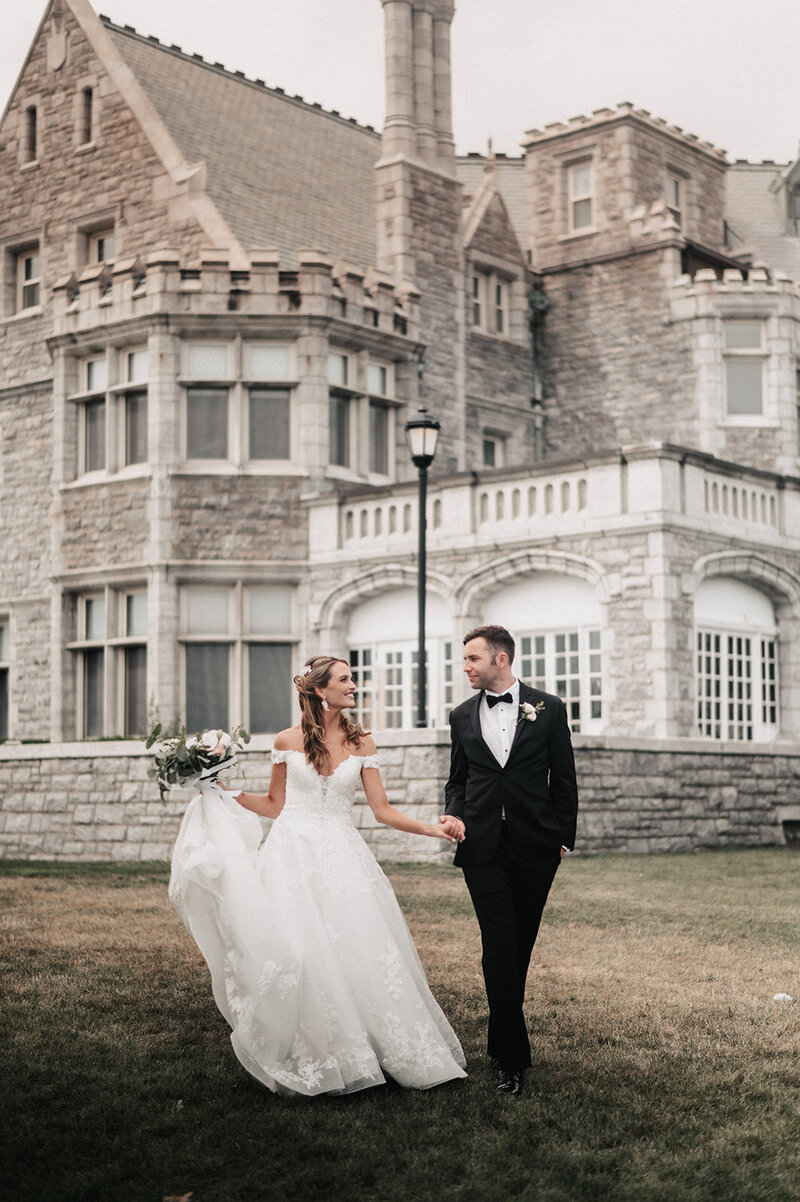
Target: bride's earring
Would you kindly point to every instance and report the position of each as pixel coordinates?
(325, 705)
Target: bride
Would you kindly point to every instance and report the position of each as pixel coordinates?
(311, 961)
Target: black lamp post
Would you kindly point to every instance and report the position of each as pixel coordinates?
(422, 433)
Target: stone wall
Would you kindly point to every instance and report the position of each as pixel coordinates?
(95, 802)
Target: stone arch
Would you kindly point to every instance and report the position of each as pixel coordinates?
(336, 606)
(778, 583)
(485, 580)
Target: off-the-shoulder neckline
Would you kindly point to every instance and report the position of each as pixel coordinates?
(326, 776)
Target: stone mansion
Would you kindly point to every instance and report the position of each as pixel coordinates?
(221, 304)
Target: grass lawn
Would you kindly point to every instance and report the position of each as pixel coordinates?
(663, 1069)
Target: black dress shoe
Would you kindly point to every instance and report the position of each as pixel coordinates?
(509, 1084)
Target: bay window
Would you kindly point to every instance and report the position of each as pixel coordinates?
(110, 655)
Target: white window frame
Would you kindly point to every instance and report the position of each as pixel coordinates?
(540, 664)
(575, 198)
(21, 256)
(491, 302)
(238, 638)
(238, 380)
(386, 684)
(101, 246)
(113, 393)
(746, 355)
(728, 704)
(113, 642)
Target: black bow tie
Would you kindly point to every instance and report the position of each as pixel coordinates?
(493, 701)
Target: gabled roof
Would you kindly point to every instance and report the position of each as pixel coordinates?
(509, 174)
(282, 173)
(486, 220)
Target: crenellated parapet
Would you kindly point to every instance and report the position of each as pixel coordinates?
(623, 112)
(166, 282)
(757, 290)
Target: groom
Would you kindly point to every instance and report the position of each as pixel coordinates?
(512, 802)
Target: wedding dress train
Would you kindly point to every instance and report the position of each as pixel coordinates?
(311, 961)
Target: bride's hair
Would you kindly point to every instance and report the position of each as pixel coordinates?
(315, 675)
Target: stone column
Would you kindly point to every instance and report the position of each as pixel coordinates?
(399, 133)
(423, 82)
(443, 117)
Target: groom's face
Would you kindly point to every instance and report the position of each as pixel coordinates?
(483, 669)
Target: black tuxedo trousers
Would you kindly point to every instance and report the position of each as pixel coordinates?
(508, 894)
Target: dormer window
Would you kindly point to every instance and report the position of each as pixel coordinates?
(490, 297)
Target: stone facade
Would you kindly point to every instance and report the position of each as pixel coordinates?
(618, 468)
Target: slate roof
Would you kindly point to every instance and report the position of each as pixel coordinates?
(754, 215)
(283, 173)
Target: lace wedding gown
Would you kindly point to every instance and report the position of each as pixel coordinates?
(311, 961)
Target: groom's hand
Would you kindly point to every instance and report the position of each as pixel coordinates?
(453, 828)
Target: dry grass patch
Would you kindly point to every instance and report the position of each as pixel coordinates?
(664, 1071)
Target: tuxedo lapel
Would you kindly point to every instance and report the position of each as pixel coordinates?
(475, 720)
(525, 694)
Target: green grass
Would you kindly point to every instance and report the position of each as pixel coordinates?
(663, 1070)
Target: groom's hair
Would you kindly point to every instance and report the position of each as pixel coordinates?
(497, 639)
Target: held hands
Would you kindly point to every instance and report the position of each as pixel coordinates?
(451, 828)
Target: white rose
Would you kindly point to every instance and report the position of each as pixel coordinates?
(209, 739)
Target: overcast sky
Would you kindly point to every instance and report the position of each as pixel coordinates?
(725, 70)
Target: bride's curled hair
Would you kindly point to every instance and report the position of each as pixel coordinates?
(315, 675)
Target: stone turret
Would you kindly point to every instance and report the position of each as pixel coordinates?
(418, 109)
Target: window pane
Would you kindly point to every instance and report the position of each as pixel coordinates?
(207, 610)
(744, 386)
(136, 427)
(3, 703)
(581, 214)
(95, 618)
(207, 361)
(377, 379)
(268, 362)
(96, 375)
(269, 423)
(135, 691)
(489, 452)
(94, 442)
(740, 334)
(379, 439)
(138, 367)
(270, 686)
(3, 643)
(582, 180)
(207, 686)
(269, 610)
(207, 423)
(136, 614)
(337, 370)
(340, 430)
(93, 663)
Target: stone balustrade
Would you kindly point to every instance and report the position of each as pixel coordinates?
(641, 485)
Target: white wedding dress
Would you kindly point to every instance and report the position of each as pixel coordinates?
(311, 961)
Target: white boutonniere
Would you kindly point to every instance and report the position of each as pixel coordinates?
(531, 712)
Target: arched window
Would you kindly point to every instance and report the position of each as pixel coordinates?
(383, 640)
(736, 649)
(556, 622)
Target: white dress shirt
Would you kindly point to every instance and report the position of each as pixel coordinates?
(499, 724)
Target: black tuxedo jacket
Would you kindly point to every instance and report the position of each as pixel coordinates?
(536, 787)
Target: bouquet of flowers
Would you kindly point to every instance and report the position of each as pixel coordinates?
(186, 759)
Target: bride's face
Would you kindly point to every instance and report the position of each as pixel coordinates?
(340, 691)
